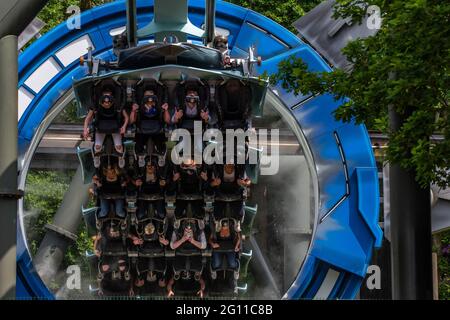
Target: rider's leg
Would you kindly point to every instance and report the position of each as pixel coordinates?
(99, 139)
(232, 260)
(120, 211)
(104, 208)
(117, 137)
(216, 260)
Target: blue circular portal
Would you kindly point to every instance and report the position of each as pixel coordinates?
(348, 201)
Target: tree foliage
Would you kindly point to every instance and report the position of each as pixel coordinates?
(406, 66)
(283, 12)
(44, 193)
(55, 11)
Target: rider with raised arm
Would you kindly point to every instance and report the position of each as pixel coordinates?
(108, 120)
(150, 118)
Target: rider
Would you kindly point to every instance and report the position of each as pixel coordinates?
(190, 112)
(149, 118)
(107, 121)
(230, 180)
(151, 182)
(191, 179)
(225, 238)
(188, 238)
(110, 181)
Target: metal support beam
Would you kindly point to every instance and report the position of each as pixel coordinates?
(131, 23)
(262, 269)
(62, 232)
(210, 20)
(170, 19)
(15, 15)
(8, 165)
(411, 242)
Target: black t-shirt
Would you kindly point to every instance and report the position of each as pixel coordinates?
(229, 183)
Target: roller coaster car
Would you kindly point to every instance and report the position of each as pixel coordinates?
(234, 99)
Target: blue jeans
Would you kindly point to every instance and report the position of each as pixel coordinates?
(217, 260)
(105, 207)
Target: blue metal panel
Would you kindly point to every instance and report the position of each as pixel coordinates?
(266, 47)
(355, 158)
(316, 116)
(344, 240)
(303, 279)
(303, 51)
(336, 242)
(330, 172)
(367, 205)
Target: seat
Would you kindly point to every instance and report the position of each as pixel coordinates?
(234, 105)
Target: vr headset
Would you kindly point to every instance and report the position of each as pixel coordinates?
(106, 98)
(192, 99)
(148, 99)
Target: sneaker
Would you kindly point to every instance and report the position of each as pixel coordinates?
(121, 162)
(141, 161)
(96, 161)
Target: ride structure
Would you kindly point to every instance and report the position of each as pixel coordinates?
(345, 177)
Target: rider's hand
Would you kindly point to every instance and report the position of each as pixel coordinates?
(237, 249)
(215, 245)
(204, 115)
(216, 182)
(204, 176)
(138, 182)
(170, 294)
(123, 130)
(97, 253)
(165, 107)
(178, 114)
(163, 241)
(162, 183)
(176, 176)
(135, 107)
(244, 182)
(200, 293)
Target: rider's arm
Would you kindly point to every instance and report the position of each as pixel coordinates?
(133, 115)
(238, 241)
(166, 116)
(126, 119)
(200, 244)
(174, 243)
(88, 119)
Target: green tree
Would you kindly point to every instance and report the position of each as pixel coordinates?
(284, 12)
(55, 11)
(43, 195)
(405, 65)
